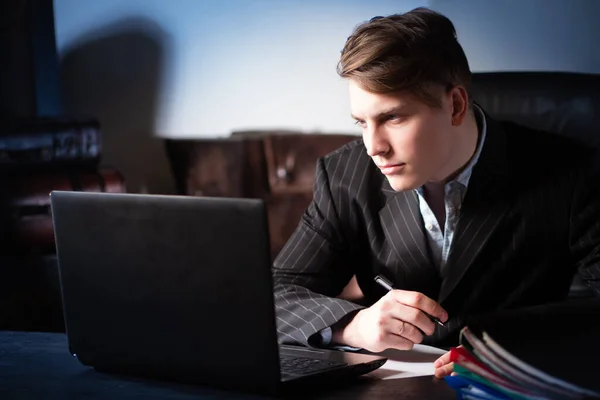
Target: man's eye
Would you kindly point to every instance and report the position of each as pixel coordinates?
(394, 118)
(362, 124)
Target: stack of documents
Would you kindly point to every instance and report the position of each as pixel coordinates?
(485, 370)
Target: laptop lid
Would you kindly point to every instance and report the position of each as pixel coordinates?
(172, 286)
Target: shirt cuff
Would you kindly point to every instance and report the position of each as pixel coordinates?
(323, 339)
(325, 336)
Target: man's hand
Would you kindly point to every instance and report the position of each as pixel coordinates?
(443, 366)
(396, 321)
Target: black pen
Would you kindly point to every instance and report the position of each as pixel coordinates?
(389, 286)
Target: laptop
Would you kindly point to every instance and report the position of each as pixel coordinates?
(179, 288)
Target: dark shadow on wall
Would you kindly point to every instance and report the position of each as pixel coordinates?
(115, 73)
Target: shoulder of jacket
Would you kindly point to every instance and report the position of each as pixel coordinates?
(346, 150)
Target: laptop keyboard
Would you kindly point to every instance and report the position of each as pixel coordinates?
(303, 366)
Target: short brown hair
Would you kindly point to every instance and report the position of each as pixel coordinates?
(406, 52)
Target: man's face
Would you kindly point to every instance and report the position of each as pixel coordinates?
(410, 141)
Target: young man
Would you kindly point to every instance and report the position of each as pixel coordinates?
(461, 213)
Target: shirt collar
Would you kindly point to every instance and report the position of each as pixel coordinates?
(464, 177)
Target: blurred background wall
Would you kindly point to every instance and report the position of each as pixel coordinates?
(150, 69)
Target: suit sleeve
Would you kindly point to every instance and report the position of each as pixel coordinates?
(585, 225)
(311, 269)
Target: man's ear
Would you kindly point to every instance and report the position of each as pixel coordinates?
(460, 104)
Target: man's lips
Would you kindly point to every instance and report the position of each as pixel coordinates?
(389, 169)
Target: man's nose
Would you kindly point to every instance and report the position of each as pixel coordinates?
(375, 141)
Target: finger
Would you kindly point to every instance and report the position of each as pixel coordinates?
(443, 360)
(420, 301)
(444, 370)
(413, 316)
(406, 330)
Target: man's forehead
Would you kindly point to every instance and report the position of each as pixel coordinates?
(364, 104)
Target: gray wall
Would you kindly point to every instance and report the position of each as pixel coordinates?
(520, 35)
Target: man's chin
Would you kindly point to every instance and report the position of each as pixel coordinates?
(402, 184)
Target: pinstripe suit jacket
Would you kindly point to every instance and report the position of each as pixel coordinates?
(529, 221)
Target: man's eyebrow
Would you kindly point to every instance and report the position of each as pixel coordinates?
(385, 113)
(389, 111)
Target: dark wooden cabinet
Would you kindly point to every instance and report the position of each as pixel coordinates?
(276, 167)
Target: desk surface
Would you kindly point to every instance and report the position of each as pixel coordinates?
(38, 365)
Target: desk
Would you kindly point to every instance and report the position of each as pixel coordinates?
(39, 366)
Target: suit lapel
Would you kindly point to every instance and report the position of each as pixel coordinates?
(403, 228)
(485, 203)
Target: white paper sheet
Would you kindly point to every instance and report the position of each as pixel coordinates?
(407, 364)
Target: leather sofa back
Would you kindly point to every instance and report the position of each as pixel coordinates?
(560, 102)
